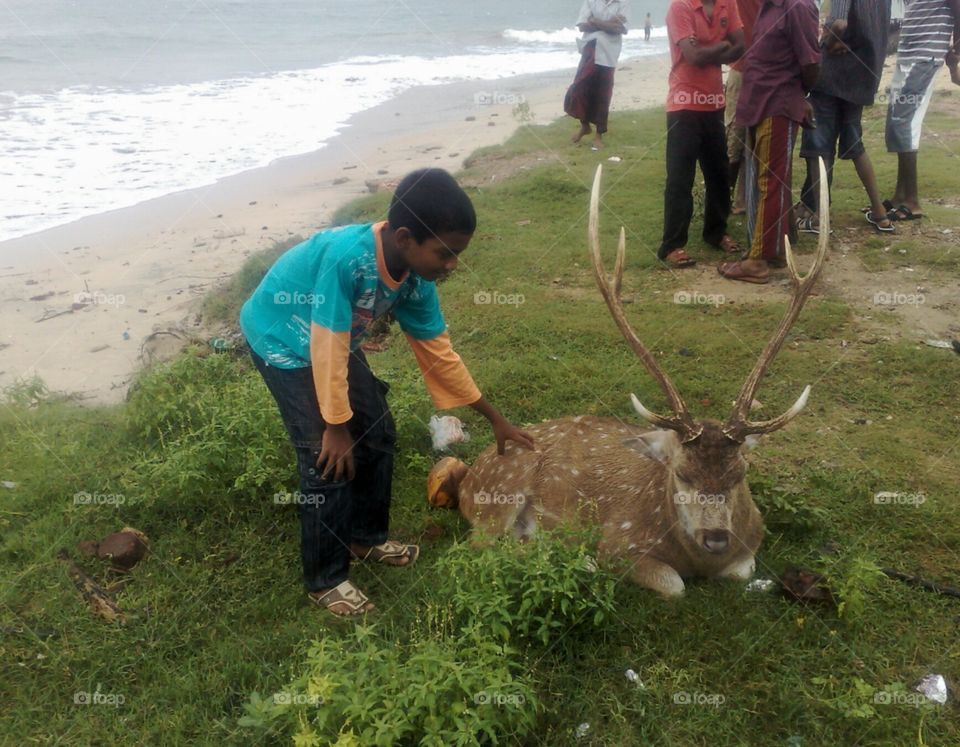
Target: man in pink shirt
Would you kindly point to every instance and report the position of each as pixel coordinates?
(703, 35)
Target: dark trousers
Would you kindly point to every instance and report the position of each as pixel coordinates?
(695, 137)
(334, 514)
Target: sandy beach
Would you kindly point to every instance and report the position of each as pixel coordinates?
(79, 300)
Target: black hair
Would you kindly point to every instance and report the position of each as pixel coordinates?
(429, 202)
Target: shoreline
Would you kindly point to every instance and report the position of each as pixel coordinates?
(80, 298)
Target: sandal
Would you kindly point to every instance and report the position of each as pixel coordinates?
(391, 551)
(889, 228)
(348, 597)
(728, 245)
(887, 205)
(902, 212)
(678, 258)
(735, 271)
(808, 224)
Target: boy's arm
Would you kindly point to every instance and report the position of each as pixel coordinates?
(329, 354)
(451, 385)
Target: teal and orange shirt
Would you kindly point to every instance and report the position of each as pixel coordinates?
(317, 301)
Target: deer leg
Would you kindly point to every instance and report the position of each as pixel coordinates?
(657, 576)
(740, 570)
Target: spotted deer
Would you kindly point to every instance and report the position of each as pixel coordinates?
(671, 501)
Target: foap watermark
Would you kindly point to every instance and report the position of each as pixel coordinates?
(895, 298)
(83, 498)
(287, 698)
(903, 99)
(298, 298)
(483, 498)
(900, 697)
(699, 98)
(99, 298)
(496, 298)
(492, 697)
(296, 498)
(698, 498)
(696, 298)
(498, 98)
(713, 700)
(887, 498)
(84, 698)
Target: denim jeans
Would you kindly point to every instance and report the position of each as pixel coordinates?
(335, 513)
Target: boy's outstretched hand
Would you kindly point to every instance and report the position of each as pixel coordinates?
(503, 429)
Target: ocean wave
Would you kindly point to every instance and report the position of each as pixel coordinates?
(83, 150)
(569, 35)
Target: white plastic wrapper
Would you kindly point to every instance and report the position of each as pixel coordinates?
(934, 687)
(446, 430)
(761, 584)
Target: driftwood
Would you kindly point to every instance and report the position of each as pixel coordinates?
(947, 591)
(99, 600)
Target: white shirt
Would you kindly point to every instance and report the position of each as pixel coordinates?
(608, 45)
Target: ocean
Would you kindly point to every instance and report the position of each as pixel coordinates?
(104, 104)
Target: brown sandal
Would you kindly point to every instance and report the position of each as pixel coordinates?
(390, 551)
(728, 245)
(347, 596)
(679, 258)
(735, 271)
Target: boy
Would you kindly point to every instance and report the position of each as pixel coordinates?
(304, 324)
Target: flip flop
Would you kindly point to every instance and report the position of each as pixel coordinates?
(678, 258)
(347, 596)
(391, 550)
(728, 245)
(887, 205)
(902, 212)
(876, 224)
(808, 225)
(734, 271)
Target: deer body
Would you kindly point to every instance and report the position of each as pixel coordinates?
(671, 501)
(588, 469)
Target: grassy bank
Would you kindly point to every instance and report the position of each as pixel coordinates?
(216, 613)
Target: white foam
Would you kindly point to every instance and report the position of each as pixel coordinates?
(83, 150)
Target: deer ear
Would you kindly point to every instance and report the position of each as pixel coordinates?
(657, 445)
(751, 442)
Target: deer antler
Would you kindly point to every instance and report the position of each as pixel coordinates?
(681, 421)
(737, 427)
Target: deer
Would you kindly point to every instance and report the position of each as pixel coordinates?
(671, 501)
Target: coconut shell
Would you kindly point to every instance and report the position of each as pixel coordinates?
(443, 482)
(123, 549)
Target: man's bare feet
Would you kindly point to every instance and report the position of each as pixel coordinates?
(581, 133)
(597, 143)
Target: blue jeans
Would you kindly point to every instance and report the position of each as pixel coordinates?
(334, 514)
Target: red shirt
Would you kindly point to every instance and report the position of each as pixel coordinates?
(748, 10)
(693, 87)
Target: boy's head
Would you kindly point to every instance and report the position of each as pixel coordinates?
(433, 220)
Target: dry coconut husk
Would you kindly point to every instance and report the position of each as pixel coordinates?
(443, 482)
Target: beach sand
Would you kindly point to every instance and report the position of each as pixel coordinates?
(79, 300)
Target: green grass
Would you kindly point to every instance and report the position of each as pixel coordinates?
(217, 611)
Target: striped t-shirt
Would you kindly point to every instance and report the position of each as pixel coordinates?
(926, 31)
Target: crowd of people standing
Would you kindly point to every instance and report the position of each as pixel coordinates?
(792, 75)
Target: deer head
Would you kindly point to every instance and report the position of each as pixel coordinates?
(703, 459)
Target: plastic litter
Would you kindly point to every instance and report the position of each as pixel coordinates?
(582, 730)
(934, 687)
(633, 677)
(8, 484)
(615, 159)
(446, 430)
(761, 584)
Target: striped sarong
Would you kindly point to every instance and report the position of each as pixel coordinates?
(768, 186)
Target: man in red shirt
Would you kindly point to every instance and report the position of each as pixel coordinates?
(703, 35)
(782, 65)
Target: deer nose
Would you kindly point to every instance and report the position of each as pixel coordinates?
(716, 540)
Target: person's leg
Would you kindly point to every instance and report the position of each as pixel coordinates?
(576, 100)
(820, 142)
(374, 435)
(716, 177)
(682, 148)
(602, 90)
(324, 505)
(910, 94)
(852, 149)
